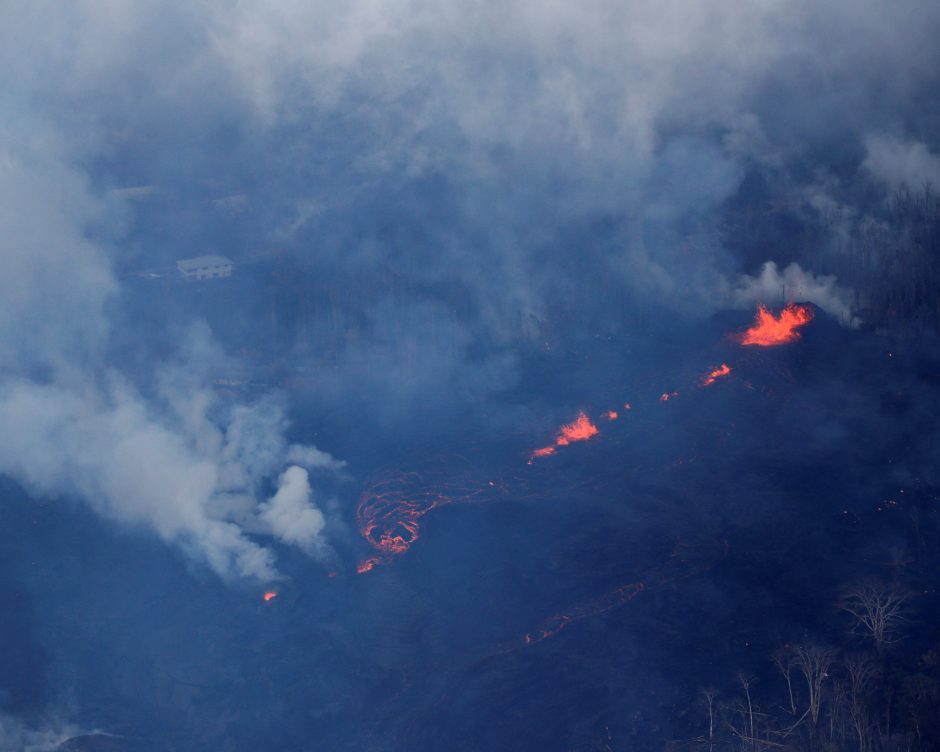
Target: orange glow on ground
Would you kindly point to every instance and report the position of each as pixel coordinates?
(554, 624)
(723, 370)
(581, 429)
(687, 560)
(769, 330)
(270, 595)
(611, 415)
(390, 510)
(366, 565)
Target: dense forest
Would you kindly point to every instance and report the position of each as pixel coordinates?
(886, 251)
(893, 263)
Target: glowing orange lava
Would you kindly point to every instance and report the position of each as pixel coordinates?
(390, 510)
(580, 430)
(769, 330)
(610, 600)
(723, 370)
(270, 595)
(367, 565)
(686, 560)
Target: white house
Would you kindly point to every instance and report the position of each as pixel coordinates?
(204, 267)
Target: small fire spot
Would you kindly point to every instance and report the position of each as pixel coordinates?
(723, 370)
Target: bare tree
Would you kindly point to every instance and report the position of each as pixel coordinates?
(709, 696)
(878, 610)
(746, 684)
(862, 672)
(755, 730)
(785, 662)
(837, 715)
(745, 728)
(814, 663)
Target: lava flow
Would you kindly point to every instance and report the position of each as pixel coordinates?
(723, 370)
(769, 330)
(270, 596)
(368, 564)
(610, 600)
(390, 510)
(581, 429)
(687, 560)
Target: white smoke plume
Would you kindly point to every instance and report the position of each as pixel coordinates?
(178, 463)
(290, 513)
(774, 287)
(193, 485)
(17, 735)
(898, 163)
(311, 457)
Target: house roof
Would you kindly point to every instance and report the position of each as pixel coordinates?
(200, 262)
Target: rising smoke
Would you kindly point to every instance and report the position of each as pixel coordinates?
(479, 172)
(178, 463)
(418, 197)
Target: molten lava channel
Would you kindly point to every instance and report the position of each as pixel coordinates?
(390, 511)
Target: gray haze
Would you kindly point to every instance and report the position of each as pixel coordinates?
(464, 183)
(527, 157)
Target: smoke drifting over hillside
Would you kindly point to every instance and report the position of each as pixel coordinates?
(454, 228)
(75, 422)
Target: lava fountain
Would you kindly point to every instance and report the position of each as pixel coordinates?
(580, 429)
(769, 330)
